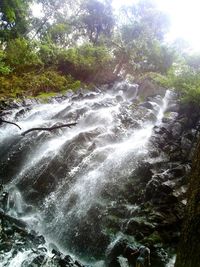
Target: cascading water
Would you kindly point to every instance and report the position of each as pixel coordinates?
(62, 182)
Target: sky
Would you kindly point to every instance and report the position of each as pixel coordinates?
(184, 16)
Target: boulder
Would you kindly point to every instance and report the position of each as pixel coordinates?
(147, 105)
(148, 88)
(139, 225)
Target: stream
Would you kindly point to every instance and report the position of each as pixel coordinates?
(68, 183)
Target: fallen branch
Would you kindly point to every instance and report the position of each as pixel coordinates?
(3, 121)
(50, 128)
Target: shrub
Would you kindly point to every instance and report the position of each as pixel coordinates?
(85, 62)
(4, 69)
(31, 84)
(21, 55)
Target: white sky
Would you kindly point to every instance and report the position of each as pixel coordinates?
(184, 16)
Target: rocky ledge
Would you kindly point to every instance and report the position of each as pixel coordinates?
(21, 247)
(150, 209)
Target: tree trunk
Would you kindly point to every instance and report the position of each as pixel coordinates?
(189, 248)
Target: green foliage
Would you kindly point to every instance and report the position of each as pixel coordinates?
(48, 53)
(58, 34)
(81, 40)
(193, 61)
(184, 79)
(13, 19)
(138, 45)
(160, 58)
(32, 84)
(97, 19)
(85, 61)
(21, 54)
(4, 69)
(188, 84)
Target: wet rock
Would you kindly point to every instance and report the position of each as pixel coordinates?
(147, 105)
(148, 88)
(169, 117)
(38, 261)
(177, 130)
(77, 263)
(77, 97)
(28, 102)
(186, 144)
(158, 192)
(17, 241)
(114, 251)
(180, 170)
(69, 93)
(173, 108)
(140, 226)
(143, 171)
(156, 99)
(150, 116)
(157, 187)
(90, 95)
(119, 98)
(153, 239)
(131, 91)
(20, 113)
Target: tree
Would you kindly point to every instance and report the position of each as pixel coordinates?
(96, 20)
(57, 33)
(139, 37)
(13, 19)
(57, 20)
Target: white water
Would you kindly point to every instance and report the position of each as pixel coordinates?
(102, 150)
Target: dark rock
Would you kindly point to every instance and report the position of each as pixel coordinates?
(186, 144)
(77, 263)
(39, 240)
(68, 259)
(139, 226)
(38, 261)
(119, 98)
(156, 99)
(114, 251)
(6, 246)
(173, 108)
(158, 192)
(147, 105)
(177, 129)
(143, 172)
(69, 93)
(131, 91)
(148, 88)
(179, 170)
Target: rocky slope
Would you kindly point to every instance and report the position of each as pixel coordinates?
(148, 209)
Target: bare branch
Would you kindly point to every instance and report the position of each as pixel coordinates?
(49, 128)
(3, 121)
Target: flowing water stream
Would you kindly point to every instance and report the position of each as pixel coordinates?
(61, 182)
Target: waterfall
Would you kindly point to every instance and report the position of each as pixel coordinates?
(65, 179)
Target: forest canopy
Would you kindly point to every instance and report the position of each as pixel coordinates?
(84, 42)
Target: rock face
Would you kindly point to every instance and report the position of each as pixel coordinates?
(17, 241)
(189, 247)
(145, 206)
(154, 198)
